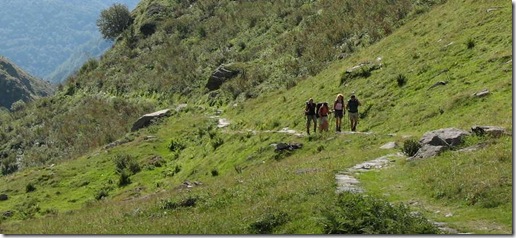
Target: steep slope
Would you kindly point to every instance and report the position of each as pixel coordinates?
(171, 50)
(16, 84)
(184, 175)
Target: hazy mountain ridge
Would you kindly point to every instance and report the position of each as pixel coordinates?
(41, 35)
(16, 84)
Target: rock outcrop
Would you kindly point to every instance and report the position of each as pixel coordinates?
(287, 146)
(146, 119)
(435, 142)
(18, 85)
(494, 131)
(219, 76)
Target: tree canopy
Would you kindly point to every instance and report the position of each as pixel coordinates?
(114, 20)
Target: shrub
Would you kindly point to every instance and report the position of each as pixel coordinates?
(126, 162)
(8, 165)
(102, 193)
(171, 205)
(470, 43)
(148, 28)
(410, 147)
(176, 145)
(30, 188)
(126, 166)
(124, 179)
(214, 172)
(114, 20)
(18, 106)
(401, 79)
(358, 214)
(217, 142)
(89, 66)
(28, 209)
(267, 224)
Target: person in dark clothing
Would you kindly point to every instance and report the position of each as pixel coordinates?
(352, 107)
(310, 115)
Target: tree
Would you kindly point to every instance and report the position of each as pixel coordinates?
(114, 20)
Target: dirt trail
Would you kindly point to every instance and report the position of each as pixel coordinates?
(346, 182)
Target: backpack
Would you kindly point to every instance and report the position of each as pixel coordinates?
(353, 106)
(317, 106)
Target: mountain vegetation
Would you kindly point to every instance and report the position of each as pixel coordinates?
(42, 35)
(17, 87)
(71, 164)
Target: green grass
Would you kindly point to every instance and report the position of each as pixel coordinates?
(257, 189)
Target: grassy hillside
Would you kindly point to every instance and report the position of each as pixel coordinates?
(184, 175)
(167, 56)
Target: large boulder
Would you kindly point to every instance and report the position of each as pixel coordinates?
(444, 137)
(146, 119)
(219, 76)
(434, 142)
(427, 151)
(494, 131)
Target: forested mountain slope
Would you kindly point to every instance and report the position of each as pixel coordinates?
(40, 35)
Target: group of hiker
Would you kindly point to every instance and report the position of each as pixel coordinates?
(318, 113)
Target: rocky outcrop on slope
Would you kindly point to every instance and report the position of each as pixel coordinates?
(16, 85)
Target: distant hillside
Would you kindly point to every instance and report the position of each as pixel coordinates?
(40, 35)
(16, 84)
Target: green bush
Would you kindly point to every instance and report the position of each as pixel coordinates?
(126, 162)
(401, 79)
(168, 204)
(30, 188)
(89, 66)
(410, 147)
(126, 166)
(102, 193)
(214, 172)
(360, 214)
(267, 224)
(470, 43)
(217, 142)
(176, 145)
(8, 165)
(124, 178)
(148, 28)
(114, 20)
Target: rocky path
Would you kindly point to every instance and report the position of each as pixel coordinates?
(345, 180)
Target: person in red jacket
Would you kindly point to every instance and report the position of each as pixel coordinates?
(323, 117)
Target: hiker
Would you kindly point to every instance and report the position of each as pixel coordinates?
(338, 107)
(323, 117)
(310, 115)
(352, 107)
